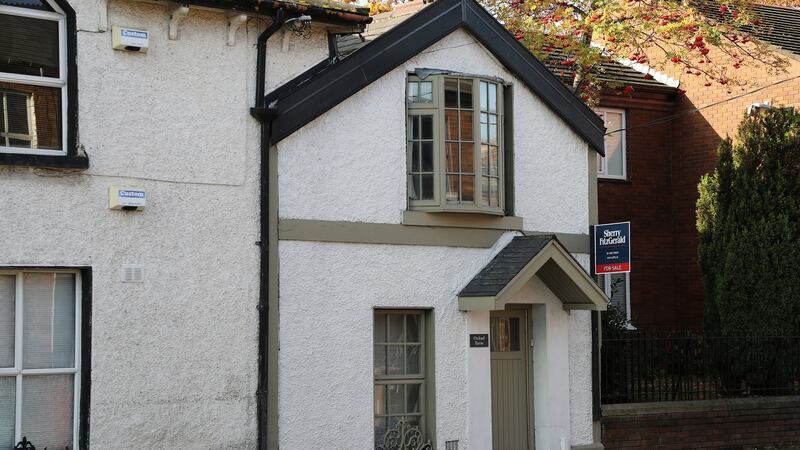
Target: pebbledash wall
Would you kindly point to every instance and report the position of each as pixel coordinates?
(350, 165)
(174, 358)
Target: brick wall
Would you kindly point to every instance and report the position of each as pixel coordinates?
(694, 153)
(645, 200)
(665, 164)
(711, 424)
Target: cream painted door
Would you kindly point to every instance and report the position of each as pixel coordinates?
(510, 399)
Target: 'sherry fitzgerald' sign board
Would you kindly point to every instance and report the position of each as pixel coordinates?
(612, 248)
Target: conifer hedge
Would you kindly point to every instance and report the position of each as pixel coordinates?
(748, 219)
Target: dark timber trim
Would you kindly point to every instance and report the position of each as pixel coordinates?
(316, 93)
(86, 357)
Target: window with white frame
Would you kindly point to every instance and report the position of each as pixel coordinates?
(40, 358)
(617, 287)
(402, 376)
(33, 78)
(613, 165)
(455, 144)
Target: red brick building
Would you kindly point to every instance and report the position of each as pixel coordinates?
(670, 143)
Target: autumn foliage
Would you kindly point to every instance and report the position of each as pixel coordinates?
(709, 40)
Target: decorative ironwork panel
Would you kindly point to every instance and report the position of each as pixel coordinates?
(404, 437)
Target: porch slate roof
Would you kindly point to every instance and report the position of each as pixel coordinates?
(505, 266)
(522, 259)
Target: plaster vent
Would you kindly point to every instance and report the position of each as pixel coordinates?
(451, 445)
(130, 273)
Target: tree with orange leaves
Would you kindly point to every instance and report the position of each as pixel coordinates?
(661, 34)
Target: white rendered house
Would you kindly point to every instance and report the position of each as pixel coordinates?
(415, 178)
(311, 266)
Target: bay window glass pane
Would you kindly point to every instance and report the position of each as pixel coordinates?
(8, 401)
(467, 158)
(466, 126)
(31, 116)
(450, 93)
(413, 91)
(492, 98)
(426, 92)
(465, 94)
(415, 156)
(451, 125)
(484, 96)
(49, 320)
(7, 321)
(485, 159)
(47, 410)
(427, 156)
(451, 157)
(494, 192)
(427, 187)
(452, 188)
(29, 46)
(485, 190)
(467, 188)
(427, 127)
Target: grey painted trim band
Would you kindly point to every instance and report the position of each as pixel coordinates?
(399, 234)
(462, 220)
(384, 233)
(592, 446)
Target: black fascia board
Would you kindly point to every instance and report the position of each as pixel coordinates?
(331, 86)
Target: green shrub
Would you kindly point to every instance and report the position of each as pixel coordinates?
(748, 219)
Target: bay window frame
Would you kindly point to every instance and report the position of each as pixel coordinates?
(437, 108)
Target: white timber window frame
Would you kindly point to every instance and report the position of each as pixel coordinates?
(59, 16)
(439, 183)
(603, 170)
(20, 373)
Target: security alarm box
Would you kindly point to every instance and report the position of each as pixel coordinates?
(126, 198)
(129, 39)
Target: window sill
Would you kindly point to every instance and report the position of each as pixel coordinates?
(52, 162)
(613, 180)
(461, 220)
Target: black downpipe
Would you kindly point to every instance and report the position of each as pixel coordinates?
(261, 61)
(264, 216)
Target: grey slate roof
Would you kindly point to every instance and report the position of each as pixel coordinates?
(779, 26)
(505, 266)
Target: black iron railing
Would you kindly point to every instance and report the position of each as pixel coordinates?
(641, 366)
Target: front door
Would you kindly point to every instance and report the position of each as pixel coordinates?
(510, 398)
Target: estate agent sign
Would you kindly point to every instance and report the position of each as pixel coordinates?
(612, 248)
